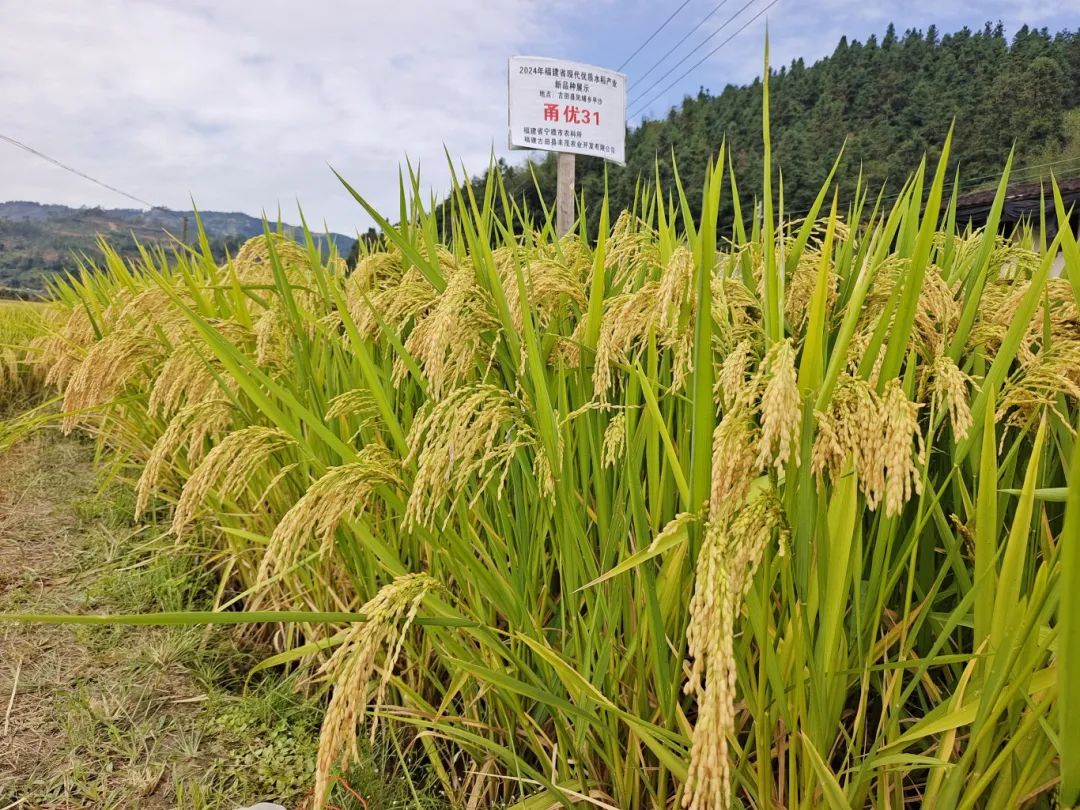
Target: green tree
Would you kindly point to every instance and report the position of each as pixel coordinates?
(891, 102)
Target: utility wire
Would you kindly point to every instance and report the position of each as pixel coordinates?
(1022, 170)
(694, 50)
(707, 56)
(687, 36)
(65, 167)
(1020, 175)
(653, 34)
(950, 184)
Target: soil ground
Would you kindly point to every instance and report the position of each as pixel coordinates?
(111, 717)
(121, 717)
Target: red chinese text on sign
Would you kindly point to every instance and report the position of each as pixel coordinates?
(563, 106)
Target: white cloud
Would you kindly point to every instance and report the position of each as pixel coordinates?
(243, 106)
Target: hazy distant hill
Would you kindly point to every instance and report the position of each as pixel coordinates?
(37, 240)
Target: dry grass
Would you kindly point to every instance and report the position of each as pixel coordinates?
(116, 718)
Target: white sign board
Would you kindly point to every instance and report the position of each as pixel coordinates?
(563, 106)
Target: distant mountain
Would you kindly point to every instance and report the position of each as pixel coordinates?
(38, 240)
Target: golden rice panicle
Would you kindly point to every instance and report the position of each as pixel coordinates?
(270, 339)
(949, 386)
(570, 249)
(936, 314)
(336, 266)
(630, 250)
(190, 374)
(1056, 318)
(342, 493)
(1052, 374)
(253, 263)
(1013, 260)
(885, 277)
(228, 469)
(851, 427)
(552, 288)
(998, 306)
(673, 527)
(377, 270)
(1060, 307)
(189, 428)
(207, 422)
(991, 324)
(614, 445)
(9, 369)
(627, 319)
(66, 347)
(448, 338)
(741, 309)
(730, 318)
(352, 669)
(111, 364)
(734, 459)
(143, 324)
(856, 350)
(881, 436)
(185, 377)
(832, 444)
(567, 350)
(730, 554)
(898, 476)
(675, 294)
(676, 305)
(468, 438)
(801, 285)
(711, 681)
(152, 311)
(663, 307)
(395, 299)
(781, 408)
(395, 305)
(750, 529)
(357, 403)
(731, 381)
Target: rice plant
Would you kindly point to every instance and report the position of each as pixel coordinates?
(762, 513)
(20, 323)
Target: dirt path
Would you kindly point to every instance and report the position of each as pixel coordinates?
(111, 717)
(136, 717)
(42, 552)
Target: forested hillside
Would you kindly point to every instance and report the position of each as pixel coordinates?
(38, 240)
(890, 100)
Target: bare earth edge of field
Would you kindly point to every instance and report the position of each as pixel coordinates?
(125, 717)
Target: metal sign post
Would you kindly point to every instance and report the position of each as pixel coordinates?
(569, 108)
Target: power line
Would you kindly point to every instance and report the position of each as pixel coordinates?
(1022, 169)
(694, 50)
(706, 57)
(1022, 174)
(687, 36)
(1014, 175)
(65, 167)
(653, 34)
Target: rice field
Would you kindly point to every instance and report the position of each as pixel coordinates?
(761, 513)
(20, 323)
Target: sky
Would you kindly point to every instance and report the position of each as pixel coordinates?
(244, 106)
